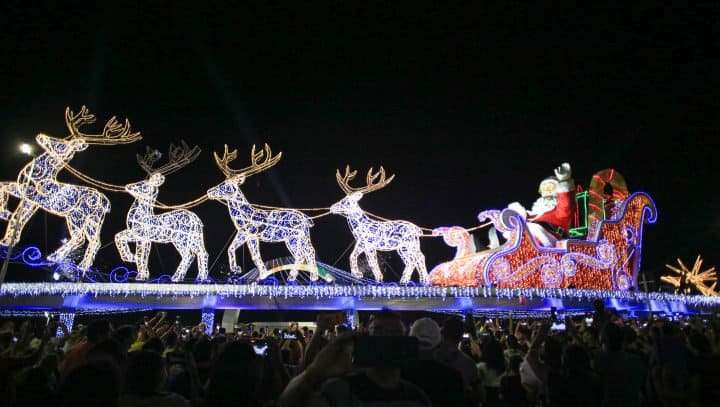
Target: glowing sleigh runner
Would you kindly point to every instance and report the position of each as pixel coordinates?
(603, 251)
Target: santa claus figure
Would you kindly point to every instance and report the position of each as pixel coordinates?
(551, 215)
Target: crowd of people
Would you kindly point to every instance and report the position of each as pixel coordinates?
(599, 359)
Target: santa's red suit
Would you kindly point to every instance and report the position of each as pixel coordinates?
(554, 209)
(561, 215)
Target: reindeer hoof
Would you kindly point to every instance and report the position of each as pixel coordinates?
(292, 276)
(314, 277)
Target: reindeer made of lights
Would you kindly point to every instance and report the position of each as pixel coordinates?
(37, 187)
(180, 227)
(373, 235)
(256, 225)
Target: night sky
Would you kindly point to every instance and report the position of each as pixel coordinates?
(470, 107)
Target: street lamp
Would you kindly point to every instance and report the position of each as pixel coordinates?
(26, 149)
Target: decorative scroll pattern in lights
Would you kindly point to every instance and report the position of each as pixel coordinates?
(180, 227)
(37, 187)
(373, 235)
(693, 278)
(257, 225)
(299, 291)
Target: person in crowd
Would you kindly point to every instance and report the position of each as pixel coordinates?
(449, 354)
(97, 331)
(144, 382)
(490, 368)
(442, 384)
(621, 374)
(512, 392)
(328, 380)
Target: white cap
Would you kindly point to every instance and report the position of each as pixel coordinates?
(427, 332)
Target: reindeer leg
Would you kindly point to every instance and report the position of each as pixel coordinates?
(292, 245)
(19, 218)
(7, 189)
(309, 257)
(142, 256)
(187, 259)
(76, 240)
(238, 241)
(254, 247)
(374, 266)
(121, 242)
(202, 260)
(92, 234)
(354, 269)
(413, 259)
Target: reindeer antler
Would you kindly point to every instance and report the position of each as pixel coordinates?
(371, 185)
(178, 157)
(259, 161)
(113, 132)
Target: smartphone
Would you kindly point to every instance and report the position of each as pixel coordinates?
(261, 348)
(287, 335)
(588, 321)
(557, 326)
(466, 336)
(386, 351)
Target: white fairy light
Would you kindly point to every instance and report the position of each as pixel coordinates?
(37, 187)
(180, 227)
(255, 225)
(372, 235)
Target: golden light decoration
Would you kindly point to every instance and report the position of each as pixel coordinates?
(254, 225)
(180, 227)
(693, 278)
(37, 187)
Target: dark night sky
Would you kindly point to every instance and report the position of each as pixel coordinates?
(471, 107)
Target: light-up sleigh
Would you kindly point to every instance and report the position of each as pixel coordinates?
(607, 257)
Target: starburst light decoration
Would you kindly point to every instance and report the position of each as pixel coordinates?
(37, 187)
(704, 281)
(372, 235)
(180, 227)
(255, 225)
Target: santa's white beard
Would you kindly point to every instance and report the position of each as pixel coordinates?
(543, 204)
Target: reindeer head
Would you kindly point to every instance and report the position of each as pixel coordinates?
(178, 157)
(349, 204)
(230, 188)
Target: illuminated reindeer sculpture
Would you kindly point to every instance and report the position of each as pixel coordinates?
(373, 235)
(37, 187)
(180, 227)
(256, 225)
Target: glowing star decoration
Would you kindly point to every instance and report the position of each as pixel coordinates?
(257, 225)
(180, 227)
(692, 277)
(37, 187)
(373, 235)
